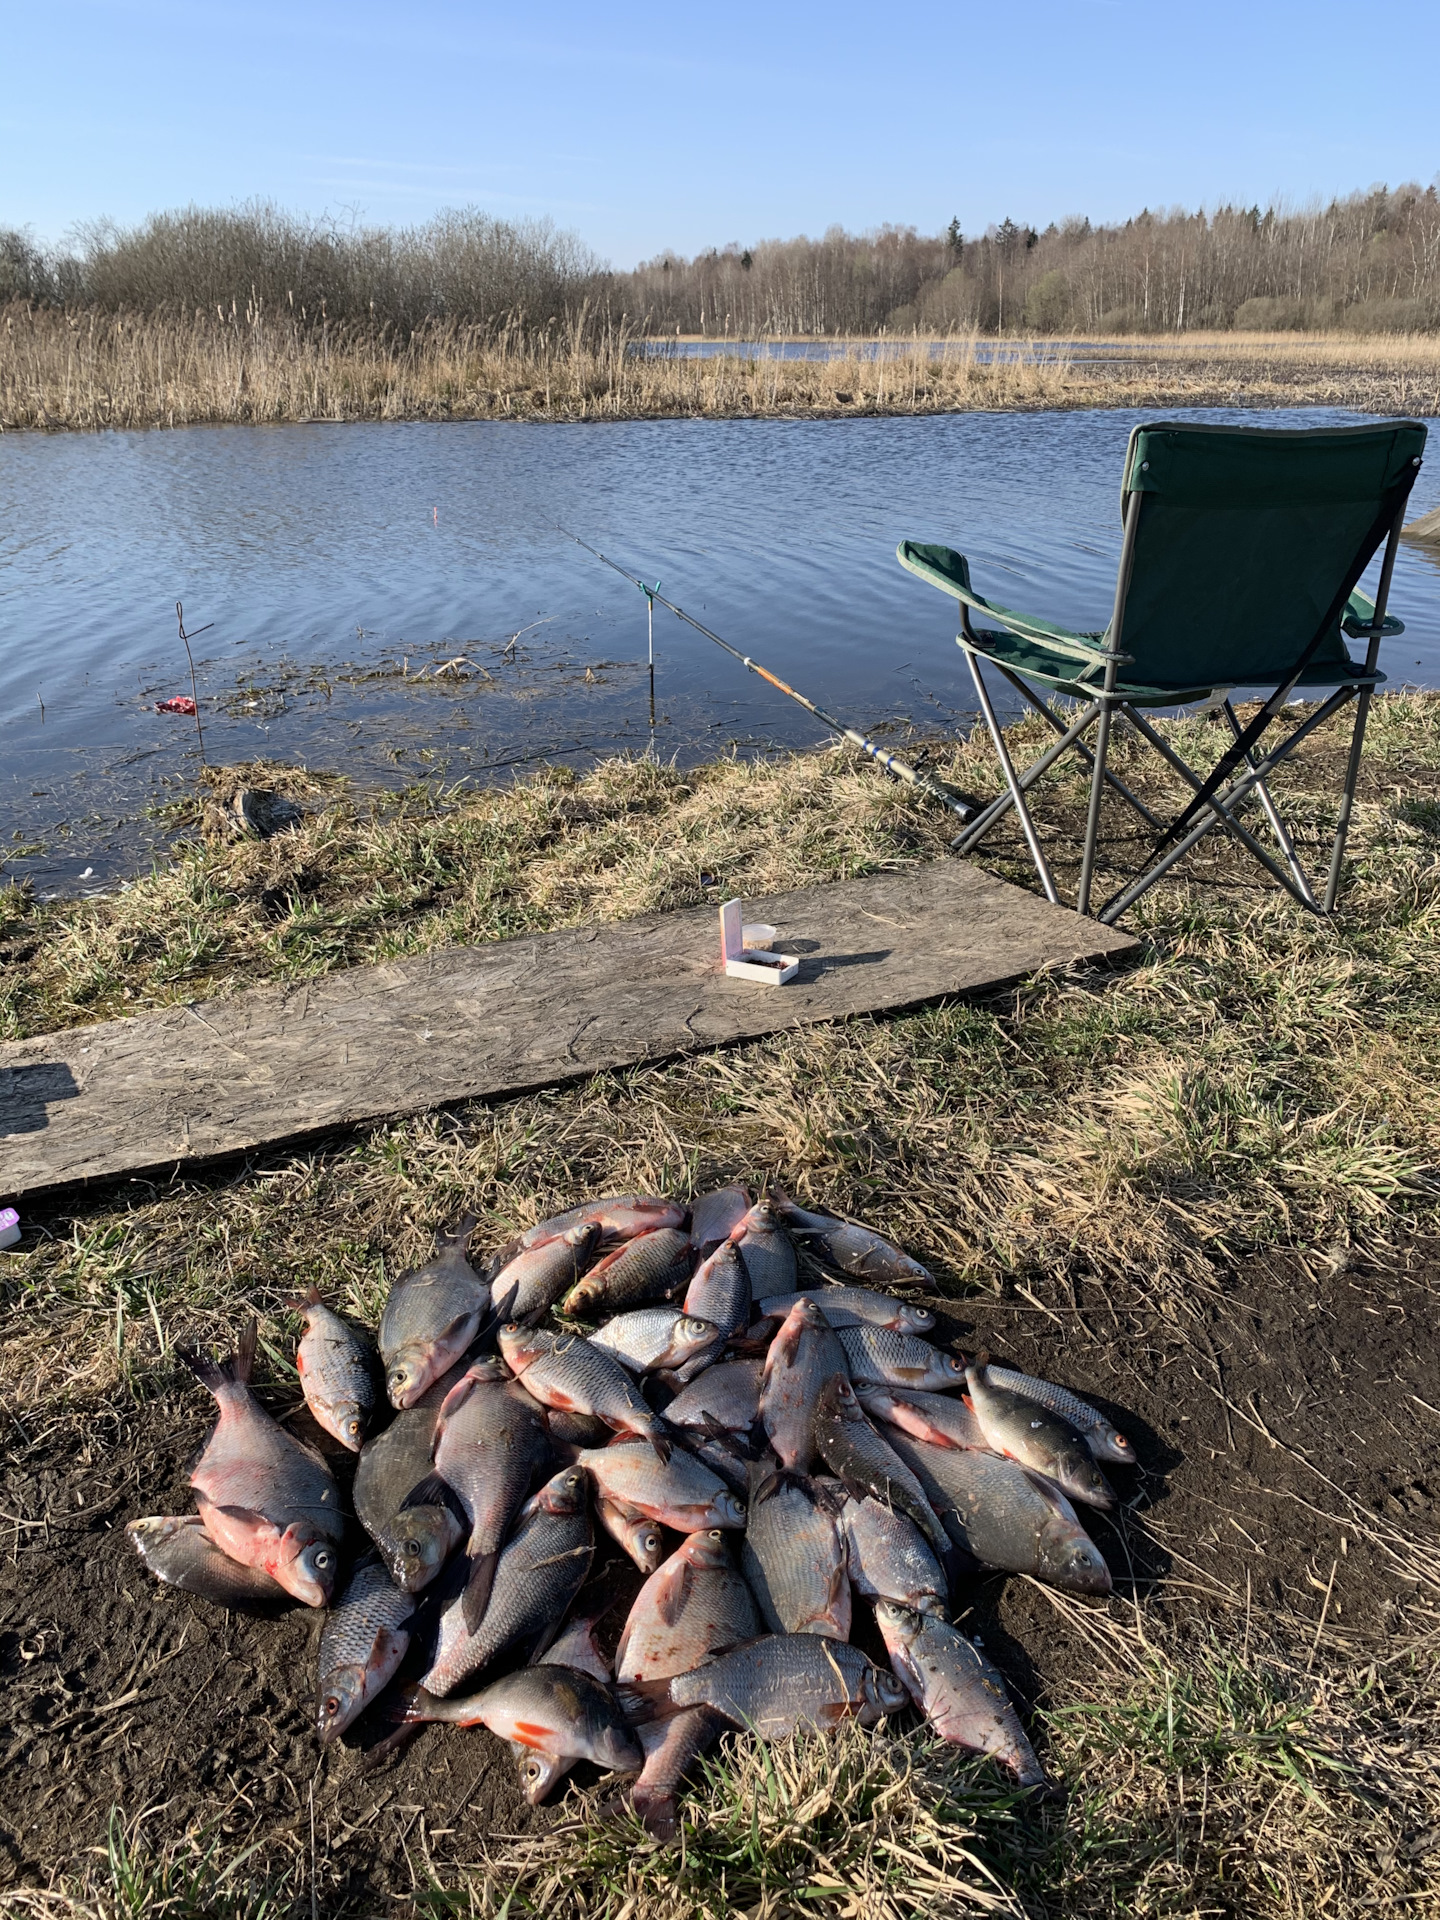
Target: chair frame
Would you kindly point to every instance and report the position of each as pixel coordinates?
(1107, 704)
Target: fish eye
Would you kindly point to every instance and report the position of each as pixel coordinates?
(412, 1546)
(532, 1769)
(716, 1534)
(332, 1705)
(322, 1559)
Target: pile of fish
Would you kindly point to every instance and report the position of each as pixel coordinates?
(658, 1369)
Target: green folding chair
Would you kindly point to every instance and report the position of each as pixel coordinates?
(1242, 551)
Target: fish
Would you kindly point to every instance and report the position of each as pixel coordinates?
(636, 1533)
(1105, 1441)
(720, 1290)
(888, 1557)
(177, 1549)
(532, 1281)
(567, 1428)
(433, 1314)
(1036, 1437)
(1006, 1516)
(958, 1690)
(714, 1217)
(366, 1637)
(855, 1307)
(877, 1357)
(652, 1266)
(671, 1748)
(722, 1454)
(337, 1372)
(802, 1357)
(937, 1417)
(576, 1646)
(678, 1492)
(551, 1715)
(490, 1443)
(266, 1498)
(866, 1463)
(776, 1686)
(854, 1250)
(692, 1607)
(655, 1337)
(724, 1399)
(767, 1251)
(794, 1559)
(415, 1541)
(539, 1573)
(619, 1217)
(566, 1371)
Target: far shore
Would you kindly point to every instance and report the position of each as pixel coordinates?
(64, 371)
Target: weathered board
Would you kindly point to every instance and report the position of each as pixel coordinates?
(224, 1076)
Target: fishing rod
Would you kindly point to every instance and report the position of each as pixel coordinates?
(966, 809)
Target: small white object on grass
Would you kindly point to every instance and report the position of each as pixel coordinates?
(9, 1226)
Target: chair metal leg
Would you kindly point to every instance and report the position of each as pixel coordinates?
(1097, 794)
(1111, 779)
(979, 827)
(1218, 809)
(1032, 839)
(1347, 798)
(1272, 814)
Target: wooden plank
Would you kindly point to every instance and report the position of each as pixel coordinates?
(278, 1063)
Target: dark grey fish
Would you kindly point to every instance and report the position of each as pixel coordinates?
(720, 1290)
(888, 1557)
(177, 1550)
(767, 1251)
(794, 1559)
(715, 1216)
(877, 1357)
(337, 1369)
(776, 1686)
(854, 1250)
(530, 1283)
(1036, 1437)
(1103, 1438)
(1005, 1515)
(365, 1639)
(433, 1314)
(415, 1541)
(855, 1307)
(671, 1748)
(801, 1358)
(724, 1398)
(958, 1690)
(652, 1266)
(867, 1464)
(539, 1573)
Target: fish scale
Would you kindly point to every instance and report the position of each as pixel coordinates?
(336, 1368)
(794, 1559)
(786, 1682)
(432, 1315)
(649, 1267)
(1105, 1441)
(566, 1371)
(855, 1307)
(366, 1637)
(878, 1357)
(727, 1395)
(867, 1463)
(958, 1690)
(691, 1607)
(888, 1557)
(655, 1337)
(804, 1354)
(720, 1290)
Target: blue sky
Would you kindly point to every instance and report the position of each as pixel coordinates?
(644, 127)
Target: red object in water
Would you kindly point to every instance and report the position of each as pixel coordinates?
(182, 703)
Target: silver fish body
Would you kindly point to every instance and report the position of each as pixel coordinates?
(877, 1357)
(693, 1606)
(801, 1358)
(652, 1266)
(336, 1366)
(177, 1550)
(365, 1639)
(415, 1541)
(433, 1314)
(571, 1374)
(856, 1307)
(1036, 1437)
(679, 1492)
(942, 1419)
(671, 1748)
(794, 1560)
(1006, 1516)
(889, 1558)
(266, 1499)
(725, 1397)
(854, 1250)
(539, 1572)
(619, 1216)
(576, 1646)
(720, 1290)
(767, 1251)
(490, 1443)
(534, 1278)
(958, 1690)
(655, 1337)
(1104, 1439)
(715, 1216)
(866, 1462)
(547, 1712)
(785, 1682)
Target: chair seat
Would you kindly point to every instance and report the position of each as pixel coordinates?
(1031, 659)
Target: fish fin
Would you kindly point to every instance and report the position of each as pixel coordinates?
(215, 1374)
(298, 1302)
(477, 1588)
(714, 1429)
(242, 1362)
(830, 1496)
(662, 1444)
(671, 1602)
(454, 1400)
(459, 1236)
(410, 1703)
(757, 1341)
(432, 1491)
(644, 1700)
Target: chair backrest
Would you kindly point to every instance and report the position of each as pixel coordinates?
(1245, 537)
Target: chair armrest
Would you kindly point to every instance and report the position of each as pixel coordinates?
(942, 567)
(1359, 617)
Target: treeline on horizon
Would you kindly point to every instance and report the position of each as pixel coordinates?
(1367, 263)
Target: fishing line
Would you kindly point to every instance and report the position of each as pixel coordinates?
(956, 803)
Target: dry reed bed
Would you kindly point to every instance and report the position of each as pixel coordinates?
(95, 370)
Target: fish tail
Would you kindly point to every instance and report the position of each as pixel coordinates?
(298, 1302)
(414, 1703)
(236, 1367)
(458, 1237)
(644, 1700)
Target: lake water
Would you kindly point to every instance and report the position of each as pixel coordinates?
(338, 566)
